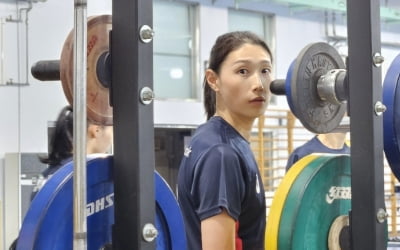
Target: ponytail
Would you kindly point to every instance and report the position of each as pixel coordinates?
(209, 100)
(61, 139)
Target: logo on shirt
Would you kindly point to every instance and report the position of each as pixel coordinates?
(187, 152)
(257, 185)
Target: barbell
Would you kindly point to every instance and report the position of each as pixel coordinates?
(99, 110)
(317, 89)
(303, 214)
(51, 209)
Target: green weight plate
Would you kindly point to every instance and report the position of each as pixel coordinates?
(320, 193)
(274, 215)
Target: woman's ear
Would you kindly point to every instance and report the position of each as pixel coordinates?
(212, 79)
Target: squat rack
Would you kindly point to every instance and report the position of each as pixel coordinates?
(134, 164)
(131, 69)
(131, 96)
(368, 215)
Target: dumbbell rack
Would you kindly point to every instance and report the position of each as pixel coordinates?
(133, 123)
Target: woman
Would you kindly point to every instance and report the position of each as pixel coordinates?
(330, 143)
(219, 185)
(99, 140)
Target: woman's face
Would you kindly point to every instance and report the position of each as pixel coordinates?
(242, 86)
(107, 137)
(103, 139)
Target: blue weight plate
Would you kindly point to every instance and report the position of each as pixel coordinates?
(168, 217)
(48, 224)
(391, 117)
(288, 87)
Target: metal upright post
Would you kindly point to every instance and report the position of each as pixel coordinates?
(132, 72)
(79, 114)
(367, 180)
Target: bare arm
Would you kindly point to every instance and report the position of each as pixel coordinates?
(218, 232)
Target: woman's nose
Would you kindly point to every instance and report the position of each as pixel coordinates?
(259, 82)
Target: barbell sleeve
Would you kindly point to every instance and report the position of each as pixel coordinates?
(46, 70)
(277, 87)
(342, 86)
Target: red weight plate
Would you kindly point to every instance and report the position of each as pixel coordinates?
(99, 110)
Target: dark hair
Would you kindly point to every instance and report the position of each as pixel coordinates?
(61, 140)
(225, 44)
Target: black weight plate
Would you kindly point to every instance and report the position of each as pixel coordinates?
(316, 115)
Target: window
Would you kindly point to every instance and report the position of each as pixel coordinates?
(246, 20)
(174, 46)
(259, 23)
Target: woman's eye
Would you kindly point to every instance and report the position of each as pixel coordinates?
(242, 71)
(266, 70)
